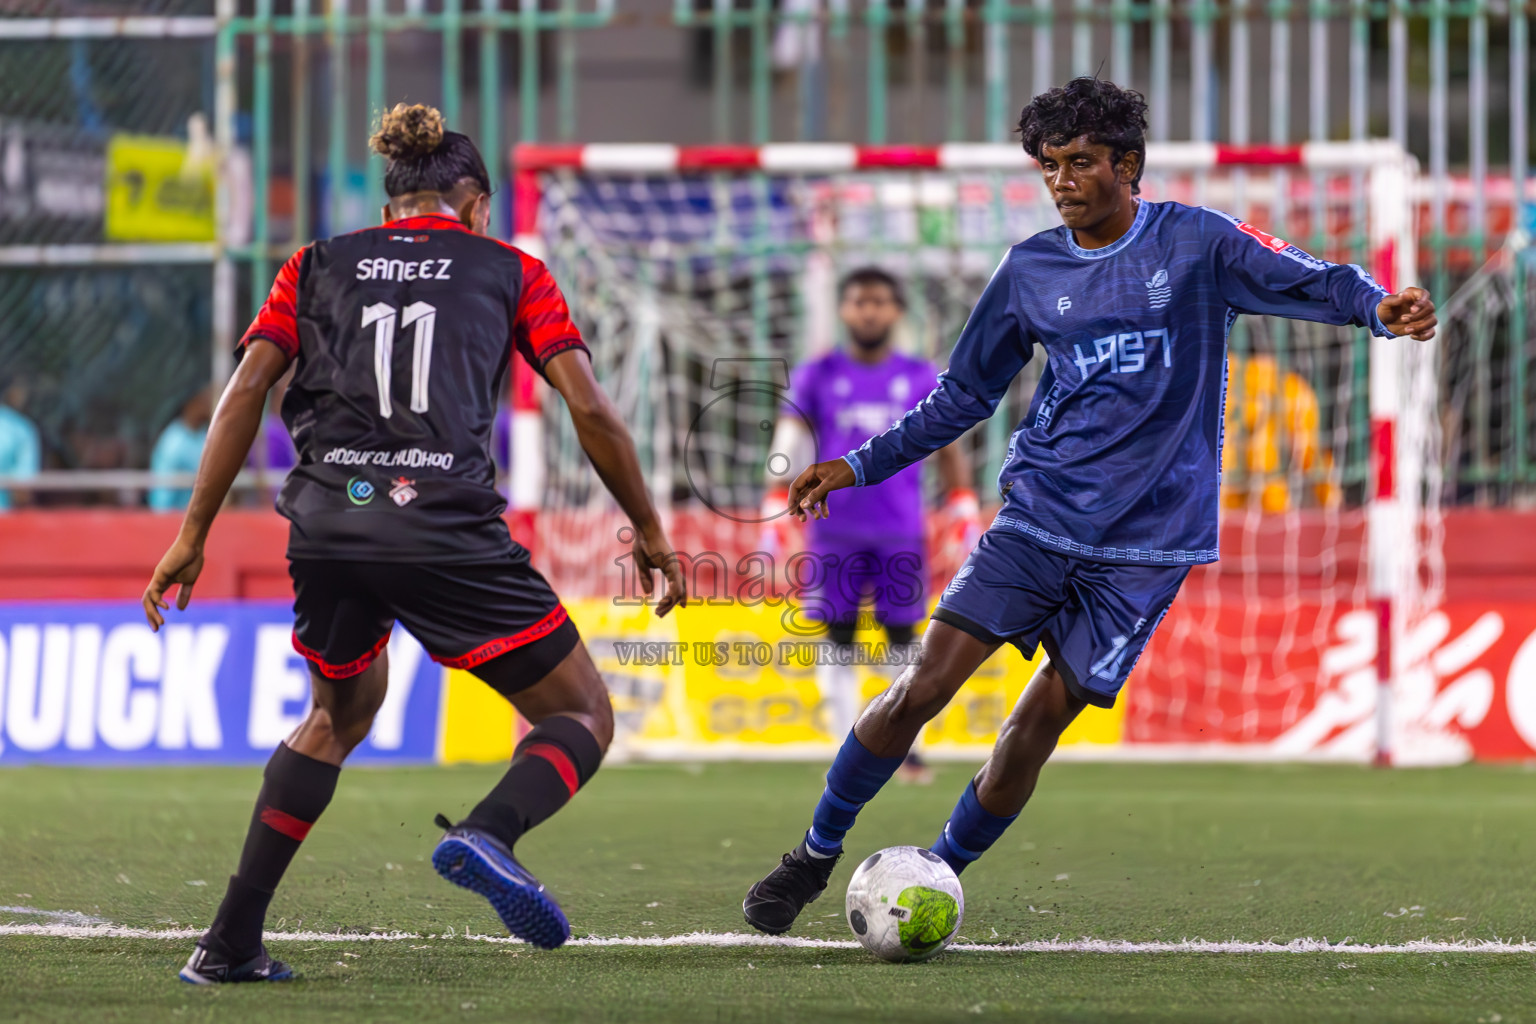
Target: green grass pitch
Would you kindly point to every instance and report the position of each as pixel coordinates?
(1151, 854)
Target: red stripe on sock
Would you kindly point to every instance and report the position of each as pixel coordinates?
(286, 823)
(562, 762)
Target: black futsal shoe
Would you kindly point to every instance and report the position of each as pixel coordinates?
(206, 967)
(773, 904)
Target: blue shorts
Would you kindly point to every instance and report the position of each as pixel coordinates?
(1093, 619)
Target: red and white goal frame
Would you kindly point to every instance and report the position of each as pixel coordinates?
(1386, 170)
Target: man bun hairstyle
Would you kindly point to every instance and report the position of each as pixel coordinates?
(423, 155)
(865, 276)
(1107, 114)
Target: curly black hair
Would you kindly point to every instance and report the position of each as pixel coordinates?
(423, 155)
(1106, 113)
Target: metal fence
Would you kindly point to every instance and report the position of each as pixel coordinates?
(270, 101)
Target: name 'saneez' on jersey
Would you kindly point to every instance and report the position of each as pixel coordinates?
(1118, 457)
(402, 335)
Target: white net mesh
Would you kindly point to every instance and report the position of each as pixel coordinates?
(697, 292)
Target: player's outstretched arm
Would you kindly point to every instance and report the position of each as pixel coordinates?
(991, 350)
(1258, 273)
(1410, 312)
(607, 443)
(230, 434)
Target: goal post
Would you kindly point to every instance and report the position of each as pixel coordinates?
(675, 257)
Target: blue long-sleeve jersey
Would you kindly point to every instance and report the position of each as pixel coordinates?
(1118, 458)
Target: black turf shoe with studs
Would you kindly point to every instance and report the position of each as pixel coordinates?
(206, 967)
(773, 904)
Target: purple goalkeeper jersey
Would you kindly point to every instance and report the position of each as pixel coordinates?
(847, 402)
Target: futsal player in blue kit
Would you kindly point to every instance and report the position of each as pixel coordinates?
(1110, 485)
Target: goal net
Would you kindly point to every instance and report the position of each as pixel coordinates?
(701, 275)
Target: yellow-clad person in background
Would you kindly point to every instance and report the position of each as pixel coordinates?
(1272, 439)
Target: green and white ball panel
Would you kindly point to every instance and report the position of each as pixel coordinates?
(905, 904)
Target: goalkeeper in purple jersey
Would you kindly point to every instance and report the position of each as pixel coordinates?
(874, 552)
(1110, 485)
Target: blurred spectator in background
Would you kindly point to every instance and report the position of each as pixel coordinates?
(21, 451)
(1274, 447)
(275, 453)
(501, 447)
(179, 449)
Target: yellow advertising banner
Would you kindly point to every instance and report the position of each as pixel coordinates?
(156, 193)
(730, 681)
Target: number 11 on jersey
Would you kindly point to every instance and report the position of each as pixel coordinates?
(383, 317)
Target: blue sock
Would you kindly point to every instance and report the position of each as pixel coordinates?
(970, 831)
(855, 777)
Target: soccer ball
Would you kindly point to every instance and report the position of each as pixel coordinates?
(905, 904)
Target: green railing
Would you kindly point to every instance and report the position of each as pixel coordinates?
(297, 81)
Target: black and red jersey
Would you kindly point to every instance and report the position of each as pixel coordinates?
(402, 335)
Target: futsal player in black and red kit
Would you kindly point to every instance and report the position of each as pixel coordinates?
(401, 337)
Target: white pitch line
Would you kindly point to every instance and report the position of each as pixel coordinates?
(739, 939)
(55, 916)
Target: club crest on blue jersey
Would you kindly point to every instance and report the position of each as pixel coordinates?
(1158, 290)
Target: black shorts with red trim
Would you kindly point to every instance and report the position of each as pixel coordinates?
(497, 618)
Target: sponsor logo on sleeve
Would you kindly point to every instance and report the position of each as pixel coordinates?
(1281, 247)
(1268, 241)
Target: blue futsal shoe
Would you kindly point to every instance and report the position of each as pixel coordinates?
(482, 864)
(208, 968)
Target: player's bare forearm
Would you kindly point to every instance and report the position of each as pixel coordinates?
(612, 451)
(234, 427)
(1410, 312)
(606, 441)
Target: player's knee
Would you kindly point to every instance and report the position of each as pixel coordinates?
(1023, 746)
(588, 703)
(1054, 706)
(351, 721)
(353, 729)
(916, 697)
(1030, 734)
(335, 731)
(342, 712)
(598, 719)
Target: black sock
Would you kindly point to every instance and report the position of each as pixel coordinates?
(294, 793)
(551, 763)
